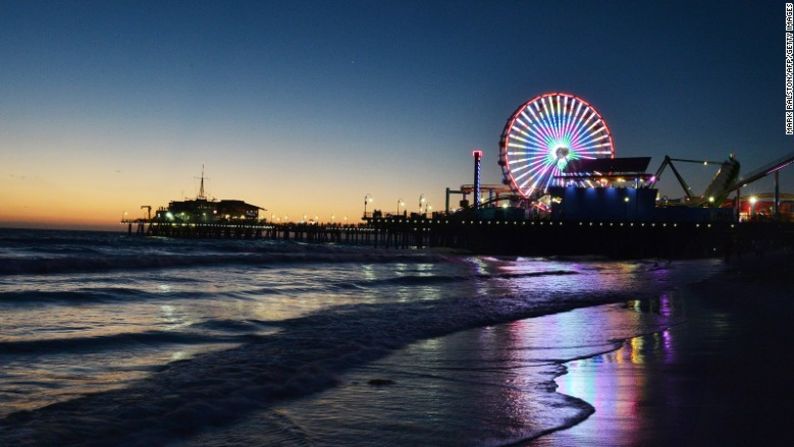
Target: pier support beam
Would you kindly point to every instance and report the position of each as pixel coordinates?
(777, 194)
(738, 203)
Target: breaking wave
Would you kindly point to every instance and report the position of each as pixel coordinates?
(305, 356)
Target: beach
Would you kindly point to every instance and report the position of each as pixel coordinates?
(720, 377)
(210, 343)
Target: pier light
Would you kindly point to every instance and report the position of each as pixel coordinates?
(753, 200)
(626, 199)
(367, 200)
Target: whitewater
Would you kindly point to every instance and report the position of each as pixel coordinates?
(110, 339)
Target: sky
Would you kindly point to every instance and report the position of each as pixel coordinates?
(303, 107)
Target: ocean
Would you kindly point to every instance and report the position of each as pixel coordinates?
(110, 339)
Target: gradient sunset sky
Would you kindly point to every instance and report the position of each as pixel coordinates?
(304, 107)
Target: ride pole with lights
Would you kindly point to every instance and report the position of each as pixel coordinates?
(477, 154)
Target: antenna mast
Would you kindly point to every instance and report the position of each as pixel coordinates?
(201, 188)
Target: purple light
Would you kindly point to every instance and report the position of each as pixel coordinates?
(544, 134)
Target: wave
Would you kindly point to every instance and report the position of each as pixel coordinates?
(85, 264)
(305, 356)
(427, 280)
(115, 294)
(114, 341)
(88, 295)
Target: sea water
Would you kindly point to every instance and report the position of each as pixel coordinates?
(108, 339)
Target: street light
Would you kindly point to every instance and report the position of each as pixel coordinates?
(753, 200)
(422, 202)
(367, 199)
(399, 204)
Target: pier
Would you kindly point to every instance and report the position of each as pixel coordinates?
(617, 239)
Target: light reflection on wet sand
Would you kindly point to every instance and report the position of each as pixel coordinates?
(627, 387)
(486, 386)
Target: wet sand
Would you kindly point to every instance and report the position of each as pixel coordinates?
(721, 377)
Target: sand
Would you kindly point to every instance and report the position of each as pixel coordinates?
(721, 377)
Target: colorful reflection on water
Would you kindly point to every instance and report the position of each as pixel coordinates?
(617, 383)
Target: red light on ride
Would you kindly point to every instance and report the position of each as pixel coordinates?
(476, 153)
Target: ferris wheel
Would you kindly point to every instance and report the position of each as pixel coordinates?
(544, 134)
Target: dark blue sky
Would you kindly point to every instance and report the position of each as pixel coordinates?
(324, 101)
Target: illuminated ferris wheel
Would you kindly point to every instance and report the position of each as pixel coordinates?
(544, 134)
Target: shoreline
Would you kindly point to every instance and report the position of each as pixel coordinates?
(691, 383)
